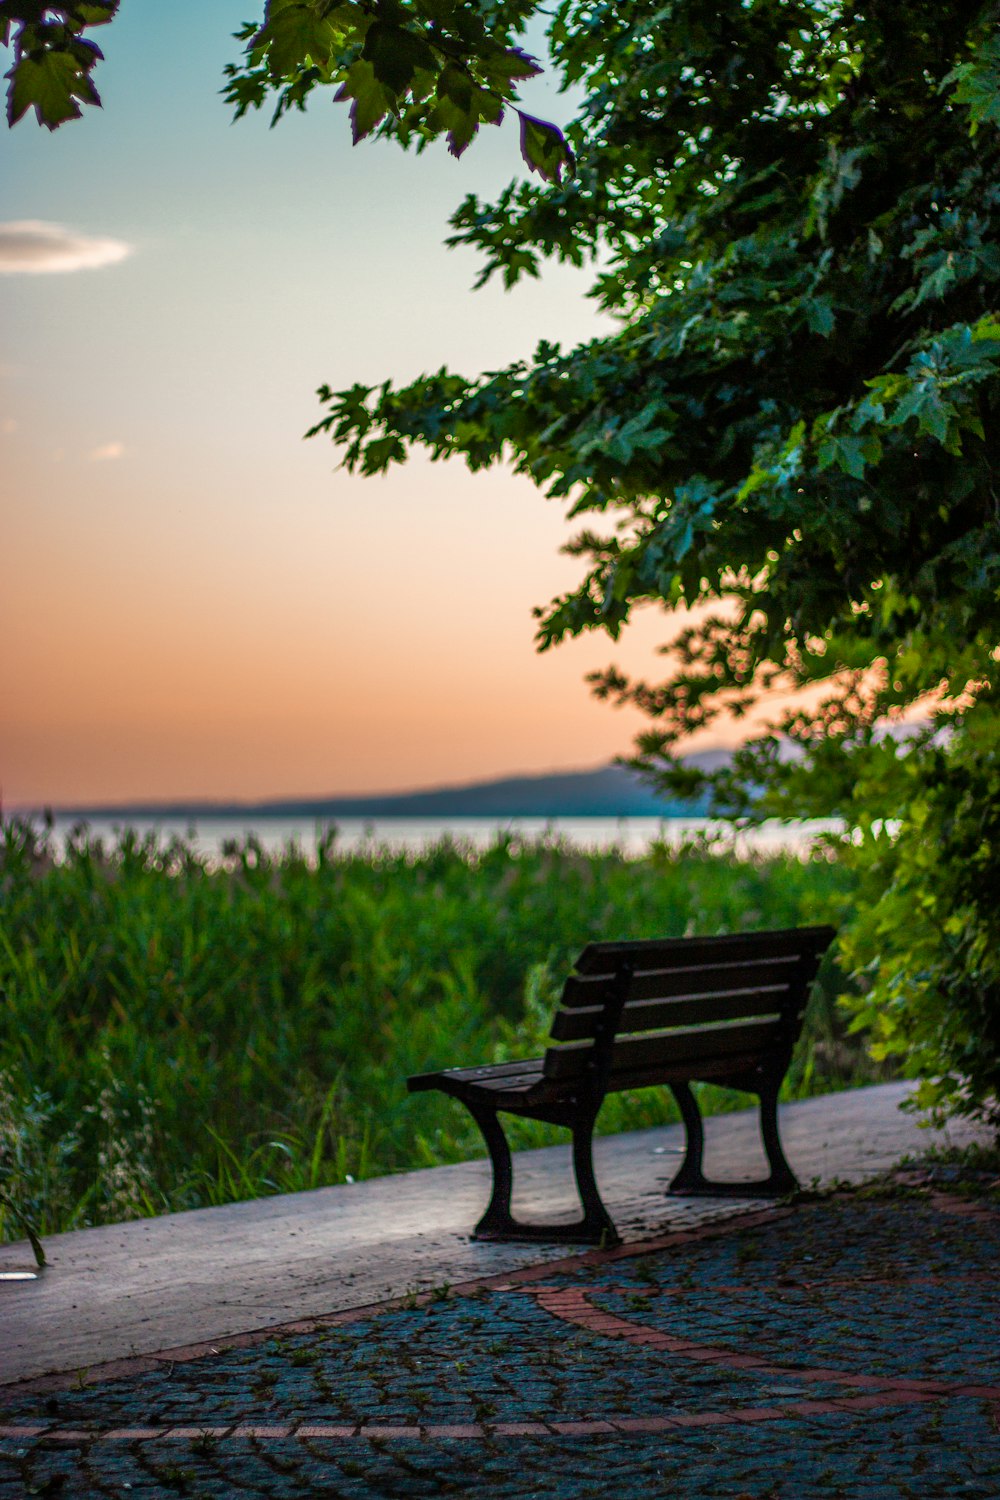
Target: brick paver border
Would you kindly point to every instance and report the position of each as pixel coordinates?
(478, 1431)
(573, 1305)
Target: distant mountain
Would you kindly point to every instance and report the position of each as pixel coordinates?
(607, 792)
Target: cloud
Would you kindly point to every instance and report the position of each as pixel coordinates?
(106, 450)
(31, 246)
(8, 425)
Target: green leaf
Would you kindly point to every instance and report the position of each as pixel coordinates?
(845, 451)
(979, 86)
(819, 315)
(380, 453)
(458, 123)
(544, 148)
(293, 37)
(936, 283)
(369, 101)
(96, 12)
(456, 86)
(505, 68)
(925, 404)
(52, 85)
(986, 328)
(396, 54)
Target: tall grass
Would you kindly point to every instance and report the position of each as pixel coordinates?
(174, 1033)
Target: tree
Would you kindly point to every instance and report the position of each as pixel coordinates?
(791, 208)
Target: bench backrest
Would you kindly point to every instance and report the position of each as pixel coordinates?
(633, 1012)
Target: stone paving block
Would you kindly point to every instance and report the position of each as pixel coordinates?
(582, 1429)
(129, 1434)
(456, 1430)
(381, 1430)
(639, 1424)
(759, 1414)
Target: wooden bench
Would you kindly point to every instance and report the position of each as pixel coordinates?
(724, 1010)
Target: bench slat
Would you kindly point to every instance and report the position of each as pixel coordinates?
(602, 958)
(655, 1015)
(517, 1065)
(721, 1070)
(754, 1038)
(511, 1075)
(705, 979)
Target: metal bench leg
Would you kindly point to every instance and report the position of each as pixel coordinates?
(782, 1179)
(690, 1178)
(496, 1222)
(597, 1224)
(691, 1181)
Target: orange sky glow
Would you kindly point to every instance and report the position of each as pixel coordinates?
(196, 603)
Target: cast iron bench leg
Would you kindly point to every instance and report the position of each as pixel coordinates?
(782, 1179)
(690, 1181)
(596, 1226)
(690, 1178)
(496, 1223)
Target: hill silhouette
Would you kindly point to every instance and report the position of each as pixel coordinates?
(607, 791)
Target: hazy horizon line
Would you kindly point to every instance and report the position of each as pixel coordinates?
(210, 803)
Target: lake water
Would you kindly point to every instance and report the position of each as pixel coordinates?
(633, 835)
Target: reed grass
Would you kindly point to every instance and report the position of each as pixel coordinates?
(176, 1033)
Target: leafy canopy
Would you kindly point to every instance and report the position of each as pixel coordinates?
(791, 208)
(414, 69)
(797, 234)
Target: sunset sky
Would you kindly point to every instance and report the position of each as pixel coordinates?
(195, 602)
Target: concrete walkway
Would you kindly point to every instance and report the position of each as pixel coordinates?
(158, 1285)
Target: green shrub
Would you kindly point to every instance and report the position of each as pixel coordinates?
(927, 931)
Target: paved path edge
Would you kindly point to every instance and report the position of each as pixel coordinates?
(120, 1369)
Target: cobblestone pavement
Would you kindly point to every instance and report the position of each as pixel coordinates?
(842, 1348)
